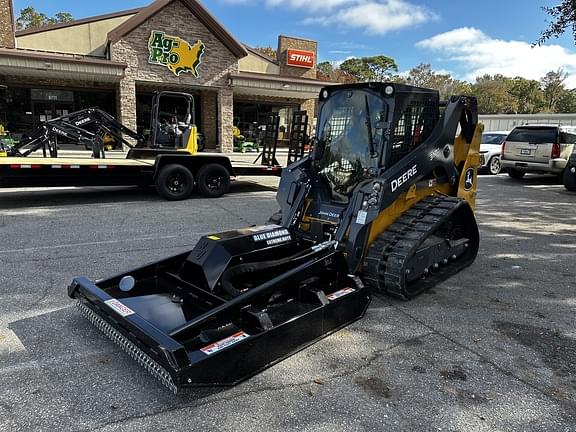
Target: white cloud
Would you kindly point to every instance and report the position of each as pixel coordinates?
(376, 17)
(479, 54)
(371, 16)
(310, 5)
(238, 2)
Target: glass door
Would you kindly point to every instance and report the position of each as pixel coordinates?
(42, 111)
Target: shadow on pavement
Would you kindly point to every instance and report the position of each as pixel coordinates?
(57, 197)
(66, 362)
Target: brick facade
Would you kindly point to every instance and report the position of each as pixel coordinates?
(310, 107)
(217, 63)
(6, 24)
(285, 43)
(209, 114)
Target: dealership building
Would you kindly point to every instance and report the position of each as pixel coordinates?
(117, 61)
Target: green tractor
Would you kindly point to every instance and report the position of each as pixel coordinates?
(248, 142)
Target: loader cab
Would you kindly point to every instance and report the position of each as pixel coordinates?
(351, 124)
(172, 123)
(364, 129)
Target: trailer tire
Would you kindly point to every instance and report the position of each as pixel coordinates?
(213, 180)
(175, 182)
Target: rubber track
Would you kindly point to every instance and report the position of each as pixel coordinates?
(384, 264)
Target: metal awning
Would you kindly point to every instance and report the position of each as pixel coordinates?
(257, 84)
(22, 63)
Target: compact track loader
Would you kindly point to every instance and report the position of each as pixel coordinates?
(383, 204)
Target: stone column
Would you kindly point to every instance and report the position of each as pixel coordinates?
(225, 120)
(310, 107)
(209, 114)
(126, 105)
(7, 39)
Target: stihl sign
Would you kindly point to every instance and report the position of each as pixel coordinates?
(300, 58)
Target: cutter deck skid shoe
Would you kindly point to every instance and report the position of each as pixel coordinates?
(385, 198)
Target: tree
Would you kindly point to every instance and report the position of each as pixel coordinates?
(492, 93)
(30, 18)
(552, 85)
(324, 71)
(528, 94)
(563, 16)
(343, 77)
(61, 17)
(423, 76)
(566, 102)
(325, 68)
(381, 67)
(376, 68)
(357, 68)
(267, 51)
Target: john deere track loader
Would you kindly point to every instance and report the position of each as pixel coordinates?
(383, 204)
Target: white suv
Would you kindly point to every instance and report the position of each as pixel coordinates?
(538, 149)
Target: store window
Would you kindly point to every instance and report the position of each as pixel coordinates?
(16, 110)
(249, 116)
(23, 109)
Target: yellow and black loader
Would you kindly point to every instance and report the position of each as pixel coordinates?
(383, 204)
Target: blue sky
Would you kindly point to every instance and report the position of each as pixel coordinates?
(465, 38)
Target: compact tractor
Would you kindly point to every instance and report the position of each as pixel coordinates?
(382, 205)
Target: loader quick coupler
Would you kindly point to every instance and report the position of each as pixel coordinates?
(383, 204)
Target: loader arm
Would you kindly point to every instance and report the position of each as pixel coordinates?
(73, 127)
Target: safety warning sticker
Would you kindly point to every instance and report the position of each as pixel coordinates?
(119, 307)
(336, 295)
(224, 343)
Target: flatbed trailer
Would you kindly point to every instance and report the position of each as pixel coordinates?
(175, 174)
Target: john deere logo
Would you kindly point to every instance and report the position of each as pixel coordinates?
(175, 53)
(469, 179)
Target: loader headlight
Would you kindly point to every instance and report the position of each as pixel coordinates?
(127, 283)
(389, 90)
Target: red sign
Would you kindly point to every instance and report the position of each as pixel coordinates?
(300, 58)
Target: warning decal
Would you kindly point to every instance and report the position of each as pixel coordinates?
(336, 295)
(119, 307)
(224, 343)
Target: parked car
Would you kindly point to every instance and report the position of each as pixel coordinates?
(538, 149)
(490, 150)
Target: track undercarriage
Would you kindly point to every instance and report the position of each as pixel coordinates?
(432, 241)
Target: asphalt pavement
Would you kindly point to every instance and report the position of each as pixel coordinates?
(491, 349)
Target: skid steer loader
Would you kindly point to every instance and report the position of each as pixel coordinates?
(383, 204)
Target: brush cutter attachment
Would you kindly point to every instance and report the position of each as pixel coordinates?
(237, 303)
